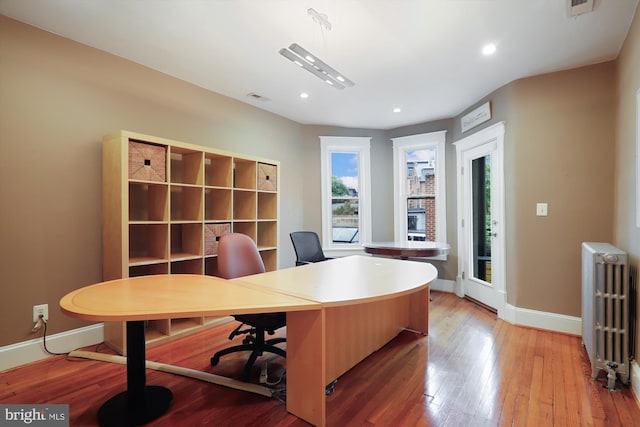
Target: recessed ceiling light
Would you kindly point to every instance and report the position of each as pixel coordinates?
(304, 95)
(397, 110)
(489, 49)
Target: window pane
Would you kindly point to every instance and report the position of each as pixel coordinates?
(421, 198)
(421, 166)
(344, 192)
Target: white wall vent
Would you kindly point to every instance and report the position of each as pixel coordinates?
(578, 7)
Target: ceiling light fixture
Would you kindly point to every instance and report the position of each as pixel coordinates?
(320, 18)
(397, 110)
(304, 95)
(305, 59)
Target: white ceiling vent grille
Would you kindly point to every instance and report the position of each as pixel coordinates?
(578, 7)
(257, 96)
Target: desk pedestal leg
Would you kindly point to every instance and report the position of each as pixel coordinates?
(306, 366)
(140, 403)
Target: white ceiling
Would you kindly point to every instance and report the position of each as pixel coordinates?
(423, 56)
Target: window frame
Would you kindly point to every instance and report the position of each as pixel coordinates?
(344, 144)
(401, 146)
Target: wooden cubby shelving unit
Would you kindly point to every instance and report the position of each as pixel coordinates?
(164, 204)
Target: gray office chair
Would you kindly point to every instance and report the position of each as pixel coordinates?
(238, 256)
(307, 246)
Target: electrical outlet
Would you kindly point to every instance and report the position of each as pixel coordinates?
(42, 309)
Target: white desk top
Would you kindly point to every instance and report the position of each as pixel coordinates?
(347, 280)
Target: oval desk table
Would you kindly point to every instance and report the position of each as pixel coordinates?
(338, 313)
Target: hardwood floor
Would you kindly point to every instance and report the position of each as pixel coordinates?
(472, 370)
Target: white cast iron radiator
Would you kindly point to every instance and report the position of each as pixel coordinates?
(605, 309)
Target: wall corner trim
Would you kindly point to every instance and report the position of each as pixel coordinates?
(635, 380)
(443, 285)
(542, 320)
(21, 353)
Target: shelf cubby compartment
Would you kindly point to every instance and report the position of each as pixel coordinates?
(149, 269)
(211, 266)
(246, 227)
(148, 243)
(183, 325)
(217, 204)
(192, 266)
(270, 259)
(186, 203)
(245, 174)
(147, 161)
(267, 234)
(244, 205)
(212, 234)
(218, 170)
(267, 177)
(157, 330)
(186, 166)
(148, 202)
(267, 205)
(186, 241)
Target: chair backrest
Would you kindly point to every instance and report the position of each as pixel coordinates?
(307, 246)
(238, 256)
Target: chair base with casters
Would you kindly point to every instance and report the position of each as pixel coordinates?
(238, 256)
(254, 342)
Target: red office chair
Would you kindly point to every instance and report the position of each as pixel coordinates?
(238, 256)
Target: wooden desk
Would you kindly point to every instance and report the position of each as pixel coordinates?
(338, 312)
(407, 248)
(137, 299)
(366, 302)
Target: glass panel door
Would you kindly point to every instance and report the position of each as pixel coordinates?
(481, 215)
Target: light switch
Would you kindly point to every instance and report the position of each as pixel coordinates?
(541, 209)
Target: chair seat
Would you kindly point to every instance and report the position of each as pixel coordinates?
(268, 321)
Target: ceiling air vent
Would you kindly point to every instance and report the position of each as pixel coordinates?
(578, 7)
(257, 97)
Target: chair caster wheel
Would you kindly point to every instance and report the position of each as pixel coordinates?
(329, 389)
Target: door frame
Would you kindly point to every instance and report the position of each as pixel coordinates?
(491, 135)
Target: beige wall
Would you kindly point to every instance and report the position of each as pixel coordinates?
(381, 178)
(563, 146)
(561, 141)
(58, 99)
(627, 234)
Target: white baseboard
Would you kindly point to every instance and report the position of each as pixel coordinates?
(443, 285)
(30, 351)
(635, 380)
(542, 320)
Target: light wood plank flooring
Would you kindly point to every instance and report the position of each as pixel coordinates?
(472, 370)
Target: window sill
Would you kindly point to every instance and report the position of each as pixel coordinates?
(342, 252)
